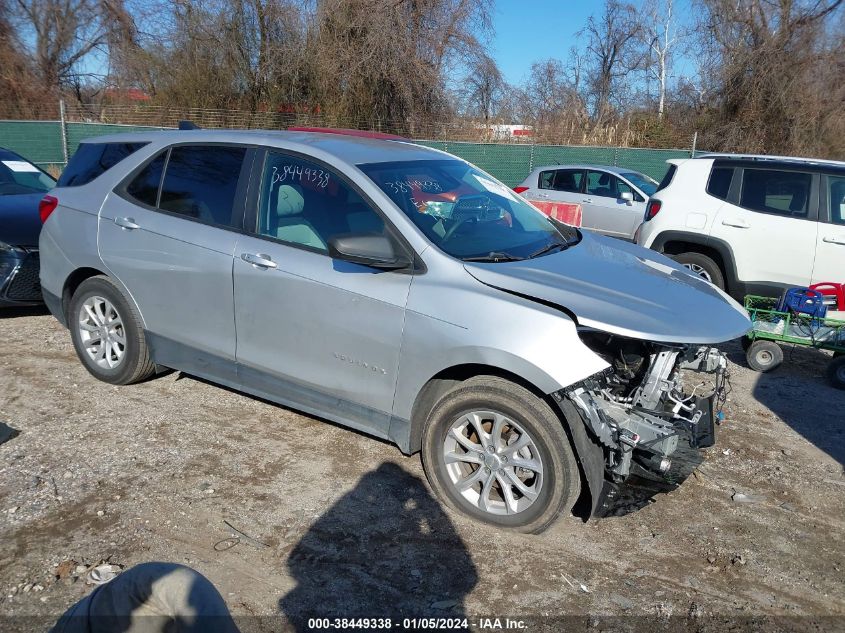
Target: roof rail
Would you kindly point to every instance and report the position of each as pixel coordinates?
(349, 132)
(766, 157)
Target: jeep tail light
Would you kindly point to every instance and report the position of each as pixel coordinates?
(652, 209)
(520, 189)
(47, 205)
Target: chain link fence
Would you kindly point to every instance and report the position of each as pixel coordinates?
(508, 152)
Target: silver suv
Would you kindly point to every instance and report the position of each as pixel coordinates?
(394, 289)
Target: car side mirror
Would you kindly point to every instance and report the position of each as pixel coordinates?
(368, 249)
(627, 196)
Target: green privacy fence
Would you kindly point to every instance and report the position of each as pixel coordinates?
(512, 163)
(49, 142)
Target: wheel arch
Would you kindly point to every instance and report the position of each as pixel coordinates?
(677, 242)
(588, 455)
(79, 275)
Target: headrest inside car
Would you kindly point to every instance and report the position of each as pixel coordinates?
(289, 201)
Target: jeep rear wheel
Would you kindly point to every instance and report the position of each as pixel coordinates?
(498, 453)
(702, 266)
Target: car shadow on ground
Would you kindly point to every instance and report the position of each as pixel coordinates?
(386, 549)
(799, 394)
(15, 312)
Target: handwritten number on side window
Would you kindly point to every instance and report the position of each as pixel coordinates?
(296, 173)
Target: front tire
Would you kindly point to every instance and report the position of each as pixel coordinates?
(702, 266)
(107, 333)
(496, 452)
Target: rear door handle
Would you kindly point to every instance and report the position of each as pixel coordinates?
(259, 259)
(127, 223)
(740, 224)
(542, 195)
(587, 200)
(834, 240)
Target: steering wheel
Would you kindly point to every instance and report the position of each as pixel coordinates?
(448, 234)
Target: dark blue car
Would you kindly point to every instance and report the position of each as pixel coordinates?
(22, 185)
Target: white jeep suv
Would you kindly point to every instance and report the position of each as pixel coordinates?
(751, 224)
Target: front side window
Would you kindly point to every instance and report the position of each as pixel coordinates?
(624, 187)
(305, 204)
(466, 213)
(600, 183)
(775, 191)
(645, 184)
(92, 159)
(836, 199)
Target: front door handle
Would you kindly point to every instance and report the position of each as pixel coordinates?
(834, 240)
(259, 260)
(127, 223)
(740, 224)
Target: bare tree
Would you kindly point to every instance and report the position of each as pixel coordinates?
(613, 51)
(483, 88)
(556, 108)
(778, 75)
(59, 35)
(661, 35)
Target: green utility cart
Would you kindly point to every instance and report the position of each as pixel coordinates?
(771, 327)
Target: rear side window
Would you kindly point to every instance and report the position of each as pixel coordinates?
(667, 178)
(144, 187)
(720, 182)
(775, 191)
(200, 182)
(92, 159)
(547, 179)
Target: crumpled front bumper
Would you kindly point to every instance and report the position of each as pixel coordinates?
(646, 428)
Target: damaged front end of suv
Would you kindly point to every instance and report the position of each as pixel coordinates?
(645, 406)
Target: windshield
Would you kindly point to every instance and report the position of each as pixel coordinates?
(18, 176)
(642, 182)
(467, 213)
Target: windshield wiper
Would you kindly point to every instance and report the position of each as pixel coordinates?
(494, 256)
(549, 248)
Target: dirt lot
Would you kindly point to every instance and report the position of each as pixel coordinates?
(342, 524)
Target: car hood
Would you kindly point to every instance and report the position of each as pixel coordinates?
(623, 289)
(19, 220)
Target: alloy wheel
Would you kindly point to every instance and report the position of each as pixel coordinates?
(700, 271)
(493, 463)
(101, 332)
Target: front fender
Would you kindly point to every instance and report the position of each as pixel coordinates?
(501, 331)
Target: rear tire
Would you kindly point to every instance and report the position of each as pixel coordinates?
(702, 266)
(764, 355)
(474, 438)
(107, 333)
(836, 372)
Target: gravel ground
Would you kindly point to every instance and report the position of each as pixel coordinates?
(334, 523)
